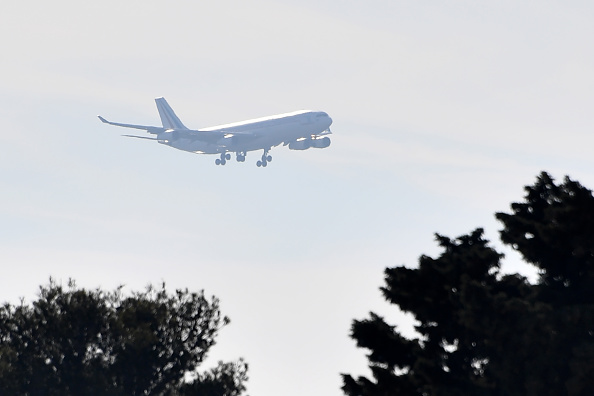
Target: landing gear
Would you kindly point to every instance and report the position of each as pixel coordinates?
(223, 159)
(265, 159)
(240, 156)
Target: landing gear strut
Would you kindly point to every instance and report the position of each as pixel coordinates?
(240, 156)
(265, 159)
(223, 160)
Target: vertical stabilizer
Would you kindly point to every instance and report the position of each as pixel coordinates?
(168, 117)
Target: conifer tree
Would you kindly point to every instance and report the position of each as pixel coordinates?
(72, 342)
(481, 332)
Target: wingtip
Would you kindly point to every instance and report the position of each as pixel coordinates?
(103, 119)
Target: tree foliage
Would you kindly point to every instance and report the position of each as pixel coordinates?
(74, 341)
(485, 333)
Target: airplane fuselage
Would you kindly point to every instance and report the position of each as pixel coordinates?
(266, 132)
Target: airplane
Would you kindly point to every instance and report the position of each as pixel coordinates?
(300, 130)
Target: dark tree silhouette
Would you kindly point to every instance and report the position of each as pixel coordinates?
(74, 341)
(226, 379)
(485, 333)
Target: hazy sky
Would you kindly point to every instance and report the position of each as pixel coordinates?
(442, 113)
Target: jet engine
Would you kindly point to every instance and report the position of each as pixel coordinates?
(306, 143)
(321, 143)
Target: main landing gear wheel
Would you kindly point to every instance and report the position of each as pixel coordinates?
(223, 159)
(240, 156)
(265, 159)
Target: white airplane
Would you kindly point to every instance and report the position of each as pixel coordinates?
(299, 130)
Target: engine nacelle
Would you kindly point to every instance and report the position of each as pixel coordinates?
(300, 144)
(307, 143)
(321, 143)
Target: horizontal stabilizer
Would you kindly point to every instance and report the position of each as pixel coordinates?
(141, 137)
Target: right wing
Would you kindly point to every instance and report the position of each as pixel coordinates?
(149, 129)
(219, 137)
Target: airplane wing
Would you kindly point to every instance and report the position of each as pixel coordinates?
(140, 137)
(323, 133)
(215, 136)
(149, 129)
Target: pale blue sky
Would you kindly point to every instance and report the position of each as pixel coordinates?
(442, 113)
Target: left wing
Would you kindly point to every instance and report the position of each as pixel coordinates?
(214, 137)
(149, 129)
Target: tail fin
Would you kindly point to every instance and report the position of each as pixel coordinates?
(168, 117)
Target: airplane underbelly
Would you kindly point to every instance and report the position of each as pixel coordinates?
(264, 137)
(272, 137)
(195, 146)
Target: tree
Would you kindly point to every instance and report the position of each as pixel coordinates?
(482, 332)
(74, 341)
(225, 379)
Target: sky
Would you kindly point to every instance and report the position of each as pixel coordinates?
(442, 113)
